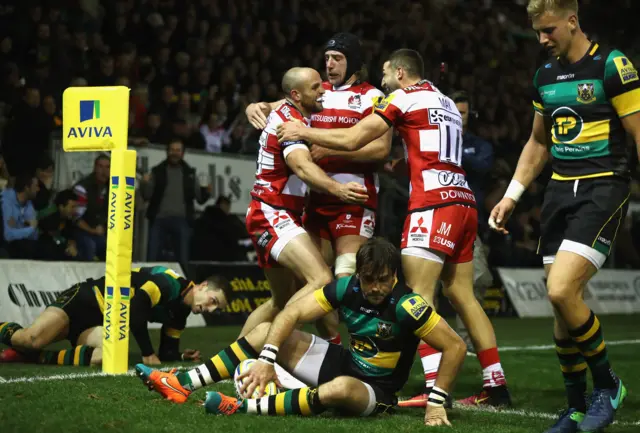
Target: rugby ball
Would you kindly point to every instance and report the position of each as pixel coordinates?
(243, 367)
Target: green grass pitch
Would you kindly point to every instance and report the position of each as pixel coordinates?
(123, 404)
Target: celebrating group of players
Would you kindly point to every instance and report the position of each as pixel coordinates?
(307, 216)
(314, 207)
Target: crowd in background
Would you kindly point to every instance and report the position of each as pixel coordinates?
(194, 65)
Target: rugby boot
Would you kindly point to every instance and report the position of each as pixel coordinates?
(165, 384)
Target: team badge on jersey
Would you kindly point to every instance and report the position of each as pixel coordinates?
(382, 104)
(415, 306)
(384, 330)
(626, 70)
(354, 102)
(586, 93)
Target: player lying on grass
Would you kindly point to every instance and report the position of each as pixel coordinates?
(158, 294)
(385, 320)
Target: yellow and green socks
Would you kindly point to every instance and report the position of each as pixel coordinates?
(7, 330)
(303, 401)
(76, 356)
(574, 371)
(589, 340)
(219, 367)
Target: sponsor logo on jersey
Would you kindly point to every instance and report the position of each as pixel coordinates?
(384, 103)
(264, 239)
(567, 125)
(384, 330)
(626, 70)
(354, 102)
(415, 306)
(444, 242)
(565, 77)
(586, 93)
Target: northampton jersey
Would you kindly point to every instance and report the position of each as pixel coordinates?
(384, 338)
(585, 102)
(163, 286)
(344, 107)
(431, 129)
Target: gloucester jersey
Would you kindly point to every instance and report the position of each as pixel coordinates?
(344, 107)
(431, 130)
(275, 183)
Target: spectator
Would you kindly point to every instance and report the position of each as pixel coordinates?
(91, 211)
(44, 174)
(171, 189)
(477, 156)
(4, 174)
(56, 224)
(19, 218)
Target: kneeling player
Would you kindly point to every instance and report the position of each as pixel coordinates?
(158, 294)
(386, 321)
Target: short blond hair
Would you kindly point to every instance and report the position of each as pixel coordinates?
(536, 8)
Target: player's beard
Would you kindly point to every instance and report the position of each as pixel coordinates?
(313, 105)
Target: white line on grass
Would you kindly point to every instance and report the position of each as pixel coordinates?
(550, 346)
(526, 413)
(72, 376)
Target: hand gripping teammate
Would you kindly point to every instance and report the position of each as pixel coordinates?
(385, 321)
(439, 232)
(340, 228)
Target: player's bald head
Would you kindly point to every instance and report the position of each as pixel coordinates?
(296, 78)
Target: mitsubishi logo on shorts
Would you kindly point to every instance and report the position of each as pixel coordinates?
(280, 216)
(419, 227)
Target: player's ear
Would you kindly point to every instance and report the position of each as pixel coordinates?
(573, 23)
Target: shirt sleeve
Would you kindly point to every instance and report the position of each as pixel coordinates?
(370, 100)
(140, 315)
(621, 84)
(330, 296)
(289, 146)
(158, 288)
(536, 98)
(170, 336)
(416, 315)
(393, 107)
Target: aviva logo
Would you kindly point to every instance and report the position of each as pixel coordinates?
(90, 110)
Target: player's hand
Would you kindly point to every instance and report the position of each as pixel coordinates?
(151, 360)
(319, 152)
(33, 223)
(500, 215)
(147, 177)
(191, 355)
(291, 131)
(99, 230)
(257, 114)
(352, 192)
(71, 250)
(258, 376)
(435, 416)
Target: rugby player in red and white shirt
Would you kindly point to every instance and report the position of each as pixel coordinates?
(284, 174)
(340, 229)
(439, 232)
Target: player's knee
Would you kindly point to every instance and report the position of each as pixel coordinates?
(339, 390)
(321, 278)
(560, 292)
(459, 295)
(96, 357)
(345, 264)
(32, 340)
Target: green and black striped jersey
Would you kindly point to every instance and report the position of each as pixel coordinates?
(384, 338)
(585, 102)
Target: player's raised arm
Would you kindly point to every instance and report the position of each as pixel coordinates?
(257, 112)
(350, 139)
(377, 150)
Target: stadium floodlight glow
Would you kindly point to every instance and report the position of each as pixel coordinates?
(97, 119)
